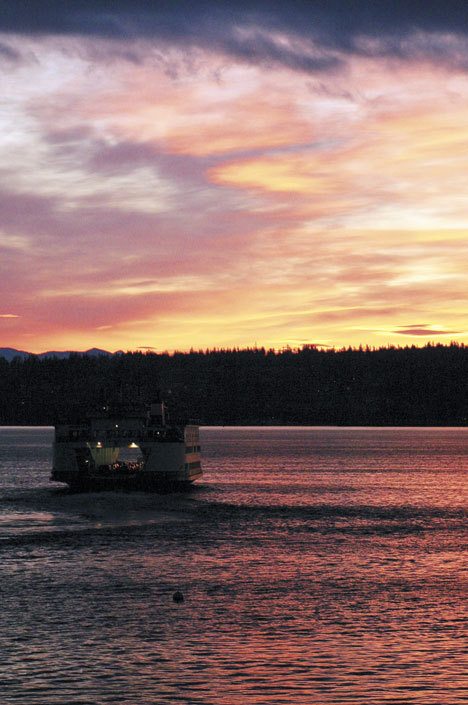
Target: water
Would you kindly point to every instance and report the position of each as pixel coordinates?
(318, 566)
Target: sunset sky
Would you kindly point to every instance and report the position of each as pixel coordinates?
(214, 174)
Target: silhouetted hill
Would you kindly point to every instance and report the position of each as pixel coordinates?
(386, 386)
(10, 353)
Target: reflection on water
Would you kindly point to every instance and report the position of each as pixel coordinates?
(318, 566)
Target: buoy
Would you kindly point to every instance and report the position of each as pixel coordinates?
(178, 596)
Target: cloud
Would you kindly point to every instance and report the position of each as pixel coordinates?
(303, 35)
(424, 330)
(9, 53)
(145, 17)
(187, 198)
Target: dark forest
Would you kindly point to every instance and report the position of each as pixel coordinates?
(310, 386)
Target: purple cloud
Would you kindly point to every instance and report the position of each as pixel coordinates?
(423, 330)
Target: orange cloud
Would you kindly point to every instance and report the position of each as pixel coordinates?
(396, 171)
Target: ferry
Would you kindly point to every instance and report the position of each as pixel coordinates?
(127, 446)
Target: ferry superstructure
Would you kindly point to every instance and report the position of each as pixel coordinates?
(126, 446)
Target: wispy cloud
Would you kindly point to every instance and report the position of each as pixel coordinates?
(425, 330)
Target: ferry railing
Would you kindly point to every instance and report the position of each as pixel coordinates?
(123, 436)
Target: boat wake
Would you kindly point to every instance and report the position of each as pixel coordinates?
(41, 511)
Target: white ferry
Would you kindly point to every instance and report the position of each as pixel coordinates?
(126, 446)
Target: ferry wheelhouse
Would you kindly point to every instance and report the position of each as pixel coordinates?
(126, 446)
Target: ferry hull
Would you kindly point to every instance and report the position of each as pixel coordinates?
(142, 481)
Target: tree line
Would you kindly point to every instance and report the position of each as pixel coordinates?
(309, 386)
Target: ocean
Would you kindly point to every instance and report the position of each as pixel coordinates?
(318, 566)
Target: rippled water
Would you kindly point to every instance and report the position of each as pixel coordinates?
(318, 566)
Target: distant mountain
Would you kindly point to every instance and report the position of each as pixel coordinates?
(63, 354)
(11, 353)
